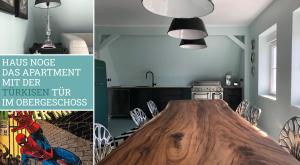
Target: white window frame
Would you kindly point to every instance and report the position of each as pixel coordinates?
(267, 73)
(295, 88)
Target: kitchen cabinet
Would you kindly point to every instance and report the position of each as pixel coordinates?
(119, 102)
(233, 96)
(122, 100)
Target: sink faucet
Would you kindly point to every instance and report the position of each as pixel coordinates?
(152, 75)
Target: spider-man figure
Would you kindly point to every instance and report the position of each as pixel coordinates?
(36, 145)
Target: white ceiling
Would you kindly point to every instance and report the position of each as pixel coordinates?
(132, 13)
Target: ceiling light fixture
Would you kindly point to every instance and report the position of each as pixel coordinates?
(179, 8)
(187, 28)
(193, 44)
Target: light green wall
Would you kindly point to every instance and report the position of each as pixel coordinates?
(137, 44)
(111, 69)
(73, 16)
(133, 56)
(139, 49)
(16, 34)
(276, 113)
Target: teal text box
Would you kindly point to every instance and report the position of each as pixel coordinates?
(72, 74)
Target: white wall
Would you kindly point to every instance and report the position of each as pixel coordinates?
(276, 113)
(16, 34)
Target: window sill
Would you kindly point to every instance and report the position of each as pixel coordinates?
(296, 106)
(271, 97)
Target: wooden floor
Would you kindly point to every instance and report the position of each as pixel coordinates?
(199, 133)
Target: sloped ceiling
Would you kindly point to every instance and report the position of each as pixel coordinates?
(132, 13)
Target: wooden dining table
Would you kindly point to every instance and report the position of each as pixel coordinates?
(199, 133)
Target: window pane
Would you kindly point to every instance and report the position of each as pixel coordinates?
(267, 51)
(273, 68)
(273, 82)
(274, 57)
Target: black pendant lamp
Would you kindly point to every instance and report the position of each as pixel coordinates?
(193, 44)
(179, 8)
(187, 28)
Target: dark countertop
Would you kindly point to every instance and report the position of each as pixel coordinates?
(158, 87)
(232, 87)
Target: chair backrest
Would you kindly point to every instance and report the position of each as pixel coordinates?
(103, 143)
(138, 116)
(152, 108)
(289, 138)
(242, 108)
(253, 115)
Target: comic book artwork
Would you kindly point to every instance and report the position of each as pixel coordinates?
(3, 128)
(36, 145)
(55, 140)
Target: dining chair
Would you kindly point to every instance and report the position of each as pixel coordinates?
(253, 115)
(242, 108)
(103, 142)
(289, 138)
(152, 108)
(138, 116)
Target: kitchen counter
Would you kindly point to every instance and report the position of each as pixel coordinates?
(156, 87)
(124, 99)
(199, 132)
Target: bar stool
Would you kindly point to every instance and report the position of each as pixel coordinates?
(152, 108)
(138, 116)
(253, 115)
(289, 138)
(242, 108)
(103, 142)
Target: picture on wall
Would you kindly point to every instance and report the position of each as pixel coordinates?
(22, 9)
(7, 6)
